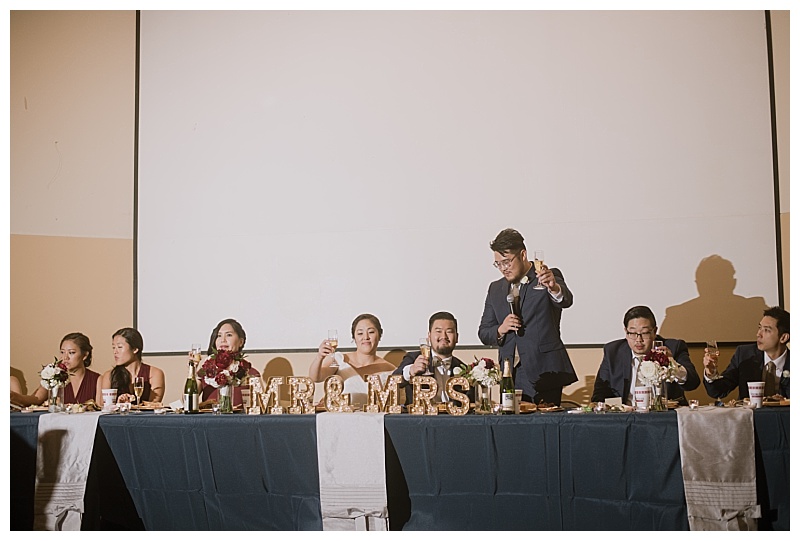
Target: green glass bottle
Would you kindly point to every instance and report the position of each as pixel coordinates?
(191, 392)
(507, 389)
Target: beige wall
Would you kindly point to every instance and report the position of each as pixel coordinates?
(71, 266)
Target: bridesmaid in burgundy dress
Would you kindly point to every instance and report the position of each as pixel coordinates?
(127, 344)
(76, 354)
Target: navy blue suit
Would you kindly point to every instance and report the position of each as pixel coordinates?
(545, 367)
(616, 369)
(746, 365)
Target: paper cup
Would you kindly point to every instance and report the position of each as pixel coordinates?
(109, 398)
(756, 389)
(642, 397)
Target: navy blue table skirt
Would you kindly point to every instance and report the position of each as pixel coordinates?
(226, 472)
(552, 471)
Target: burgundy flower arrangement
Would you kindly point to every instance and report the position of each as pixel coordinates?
(224, 368)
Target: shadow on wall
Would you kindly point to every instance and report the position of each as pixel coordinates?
(582, 395)
(395, 356)
(279, 366)
(716, 313)
(21, 377)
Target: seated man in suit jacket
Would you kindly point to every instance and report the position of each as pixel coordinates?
(621, 358)
(752, 361)
(443, 337)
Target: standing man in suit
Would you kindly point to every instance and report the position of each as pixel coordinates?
(533, 332)
(443, 337)
(616, 376)
(767, 360)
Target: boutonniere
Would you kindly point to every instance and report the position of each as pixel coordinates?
(785, 374)
(524, 280)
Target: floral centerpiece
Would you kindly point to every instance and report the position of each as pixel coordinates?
(54, 377)
(483, 374)
(223, 370)
(656, 369)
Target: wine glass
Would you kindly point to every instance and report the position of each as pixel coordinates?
(333, 341)
(713, 352)
(425, 351)
(138, 389)
(538, 263)
(197, 351)
(657, 345)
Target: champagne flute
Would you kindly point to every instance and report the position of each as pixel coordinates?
(538, 263)
(138, 389)
(333, 341)
(196, 353)
(425, 351)
(713, 352)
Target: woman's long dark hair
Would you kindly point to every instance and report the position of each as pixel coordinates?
(121, 380)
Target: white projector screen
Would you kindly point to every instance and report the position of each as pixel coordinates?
(297, 169)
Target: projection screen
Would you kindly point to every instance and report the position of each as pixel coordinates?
(296, 169)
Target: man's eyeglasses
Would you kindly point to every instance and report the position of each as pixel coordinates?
(640, 335)
(504, 264)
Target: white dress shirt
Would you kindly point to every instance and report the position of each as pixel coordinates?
(440, 374)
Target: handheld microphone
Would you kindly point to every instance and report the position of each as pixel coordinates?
(512, 303)
(510, 300)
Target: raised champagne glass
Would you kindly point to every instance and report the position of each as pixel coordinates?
(538, 264)
(197, 351)
(425, 351)
(333, 341)
(657, 345)
(713, 352)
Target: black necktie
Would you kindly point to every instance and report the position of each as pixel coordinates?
(768, 375)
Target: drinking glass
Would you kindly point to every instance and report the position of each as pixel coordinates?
(197, 351)
(425, 351)
(713, 352)
(333, 341)
(138, 389)
(713, 349)
(538, 263)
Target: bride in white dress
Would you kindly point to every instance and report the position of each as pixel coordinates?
(352, 367)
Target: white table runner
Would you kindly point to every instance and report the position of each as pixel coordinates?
(63, 454)
(352, 473)
(719, 468)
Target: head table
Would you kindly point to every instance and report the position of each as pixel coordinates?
(541, 471)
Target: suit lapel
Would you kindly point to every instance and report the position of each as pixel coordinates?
(523, 288)
(627, 370)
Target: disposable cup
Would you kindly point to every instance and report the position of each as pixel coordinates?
(643, 396)
(756, 389)
(109, 398)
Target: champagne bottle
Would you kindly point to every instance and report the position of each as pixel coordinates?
(191, 394)
(507, 389)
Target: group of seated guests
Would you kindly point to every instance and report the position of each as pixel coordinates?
(614, 378)
(85, 384)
